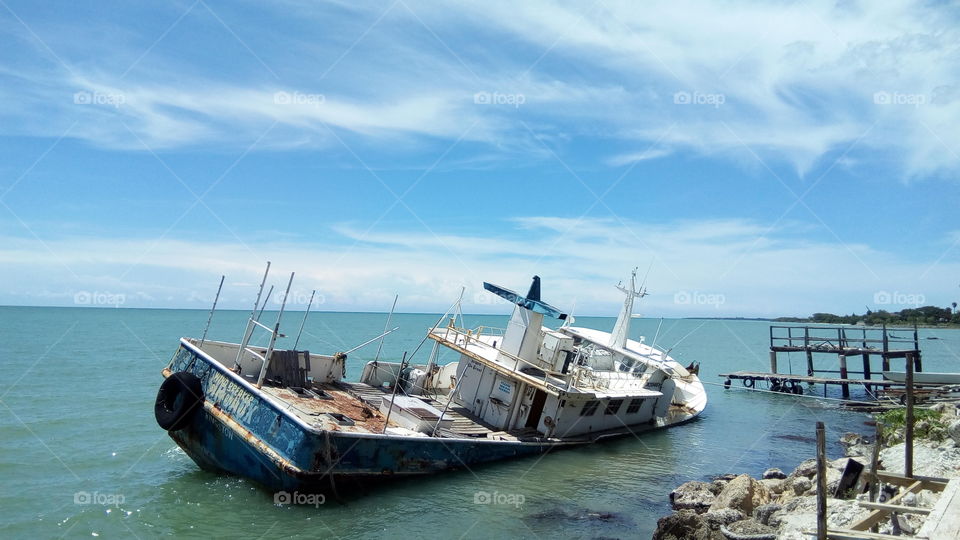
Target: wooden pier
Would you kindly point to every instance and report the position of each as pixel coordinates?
(843, 342)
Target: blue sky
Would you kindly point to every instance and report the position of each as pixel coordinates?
(772, 159)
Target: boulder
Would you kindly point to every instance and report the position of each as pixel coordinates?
(725, 516)
(684, 525)
(697, 496)
(748, 529)
(857, 446)
(743, 493)
(953, 431)
(806, 468)
(763, 512)
(773, 474)
(801, 485)
(775, 487)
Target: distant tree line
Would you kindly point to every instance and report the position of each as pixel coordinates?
(926, 315)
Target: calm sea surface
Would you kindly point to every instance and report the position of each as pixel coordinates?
(81, 454)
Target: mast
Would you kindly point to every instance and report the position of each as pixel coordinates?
(522, 336)
(621, 330)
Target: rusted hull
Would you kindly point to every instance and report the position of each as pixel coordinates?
(240, 432)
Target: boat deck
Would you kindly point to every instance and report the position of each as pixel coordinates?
(464, 423)
(354, 406)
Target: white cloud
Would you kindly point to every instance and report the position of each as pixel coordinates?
(790, 83)
(579, 261)
(633, 157)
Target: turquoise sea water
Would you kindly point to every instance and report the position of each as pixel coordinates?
(81, 454)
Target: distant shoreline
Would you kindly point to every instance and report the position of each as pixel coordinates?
(750, 319)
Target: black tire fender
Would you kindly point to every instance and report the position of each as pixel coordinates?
(177, 399)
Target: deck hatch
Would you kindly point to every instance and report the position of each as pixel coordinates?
(340, 419)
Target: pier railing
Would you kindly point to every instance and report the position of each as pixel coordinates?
(833, 339)
(845, 341)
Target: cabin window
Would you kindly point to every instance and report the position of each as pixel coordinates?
(634, 406)
(589, 408)
(613, 406)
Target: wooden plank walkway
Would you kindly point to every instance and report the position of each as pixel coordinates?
(767, 376)
(790, 377)
(944, 520)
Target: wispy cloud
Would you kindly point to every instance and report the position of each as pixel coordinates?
(777, 276)
(792, 83)
(626, 159)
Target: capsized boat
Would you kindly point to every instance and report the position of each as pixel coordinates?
(288, 420)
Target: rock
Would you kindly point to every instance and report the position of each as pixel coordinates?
(943, 462)
(697, 496)
(910, 499)
(742, 493)
(801, 485)
(775, 487)
(763, 512)
(800, 514)
(904, 524)
(724, 516)
(773, 474)
(943, 408)
(683, 525)
(721, 481)
(807, 468)
(953, 430)
(748, 529)
(856, 445)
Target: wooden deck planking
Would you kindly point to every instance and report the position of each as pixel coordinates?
(944, 520)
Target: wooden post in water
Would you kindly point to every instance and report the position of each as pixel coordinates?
(844, 387)
(908, 429)
(806, 346)
(886, 350)
(821, 483)
(917, 366)
(773, 361)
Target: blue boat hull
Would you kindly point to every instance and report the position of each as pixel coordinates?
(240, 432)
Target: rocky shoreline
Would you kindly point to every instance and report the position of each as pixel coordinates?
(777, 505)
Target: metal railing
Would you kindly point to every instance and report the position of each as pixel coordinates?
(463, 338)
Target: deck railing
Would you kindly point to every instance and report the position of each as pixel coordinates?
(463, 338)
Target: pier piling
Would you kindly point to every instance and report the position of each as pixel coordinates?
(821, 483)
(908, 429)
(844, 387)
(816, 341)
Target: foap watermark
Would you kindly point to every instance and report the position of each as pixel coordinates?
(699, 98)
(899, 98)
(897, 298)
(485, 298)
(511, 499)
(297, 498)
(299, 299)
(97, 298)
(697, 298)
(85, 97)
(298, 98)
(95, 497)
(497, 98)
